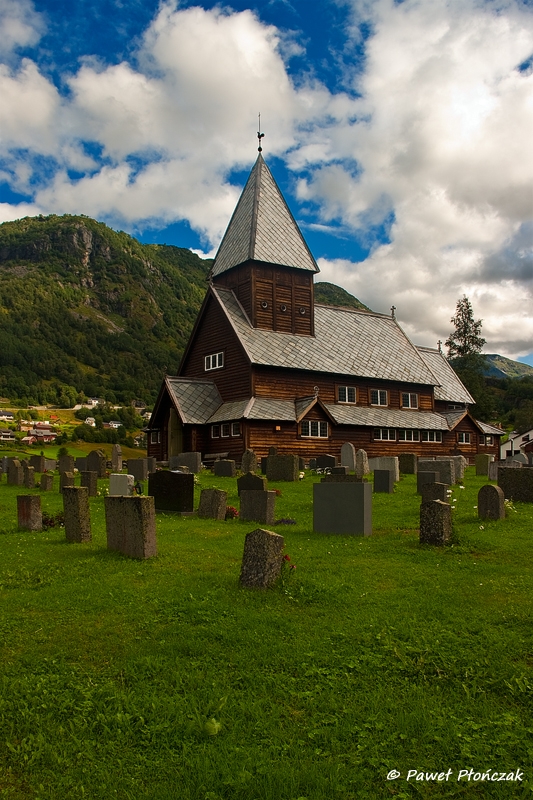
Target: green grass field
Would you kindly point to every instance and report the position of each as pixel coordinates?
(164, 679)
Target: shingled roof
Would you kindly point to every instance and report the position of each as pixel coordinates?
(449, 386)
(262, 228)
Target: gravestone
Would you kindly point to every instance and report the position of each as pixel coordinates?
(224, 468)
(520, 458)
(384, 481)
(262, 559)
(423, 476)
(386, 462)
(408, 463)
(342, 508)
(249, 461)
(116, 458)
(460, 464)
(66, 464)
(264, 460)
(493, 470)
(301, 463)
(312, 463)
(97, 462)
(50, 464)
(434, 491)
(282, 468)
(130, 526)
(272, 451)
(445, 468)
(152, 464)
(172, 491)
(47, 482)
(517, 484)
(362, 467)
(24, 463)
(81, 463)
(212, 504)
(251, 482)
(65, 479)
(339, 471)
(340, 478)
(29, 514)
(435, 522)
(193, 460)
(29, 477)
(348, 456)
(37, 462)
(15, 473)
(90, 481)
(138, 467)
(121, 485)
(490, 502)
(325, 462)
(257, 506)
(482, 463)
(77, 514)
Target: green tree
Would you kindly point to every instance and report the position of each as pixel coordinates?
(464, 354)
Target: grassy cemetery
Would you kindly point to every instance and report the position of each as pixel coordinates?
(371, 656)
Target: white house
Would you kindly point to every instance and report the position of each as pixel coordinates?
(515, 444)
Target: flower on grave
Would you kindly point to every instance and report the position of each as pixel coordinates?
(287, 557)
(302, 476)
(481, 527)
(231, 512)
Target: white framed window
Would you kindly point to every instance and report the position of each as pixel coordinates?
(385, 433)
(155, 437)
(463, 437)
(215, 431)
(235, 428)
(378, 397)
(313, 427)
(346, 394)
(432, 436)
(225, 430)
(409, 400)
(405, 435)
(489, 440)
(214, 361)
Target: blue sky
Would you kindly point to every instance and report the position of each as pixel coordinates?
(399, 132)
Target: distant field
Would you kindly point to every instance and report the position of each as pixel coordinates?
(163, 679)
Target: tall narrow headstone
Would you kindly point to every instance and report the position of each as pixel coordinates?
(90, 480)
(77, 514)
(361, 464)
(47, 482)
(262, 559)
(348, 456)
(482, 463)
(249, 461)
(97, 462)
(116, 458)
(130, 526)
(80, 463)
(37, 462)
(15, 473)
(66, 463)
(384, 481)
(29, 514)
(66, 479)
(29, 477)
(435, 522)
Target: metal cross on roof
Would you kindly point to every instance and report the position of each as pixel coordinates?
(259, 134)
(392, 310)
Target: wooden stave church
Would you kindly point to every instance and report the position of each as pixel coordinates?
(267, 367)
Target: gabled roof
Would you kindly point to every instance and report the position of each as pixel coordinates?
(449, 386)
(347, 341)
(387, 417)
(262, 228)
(194, 401)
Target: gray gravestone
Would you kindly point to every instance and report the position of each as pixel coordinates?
(434, 491)
(460, 463)
(212, 504)
(37, 462)
(116, 458)
(384, 481)
(90, 481)
(493, 470)
(66, 464)
(50, 464)
(249, 461)
(482, 463)
(130, 526)
(408, 463)
(152, 464)
(312, 463)
(362, 467)
(29, 515)
(517, 484)
(81, 463)
(272, 451)
(490, 502)
(325, 462)
(15, 473)
(97, 462)
(77, 514)
(339, 470)
(386, 462)
(340, 478)
(172, 491)
(138, 467)
(435, 522)
(445, 468)
(29, 477)
(282, 468)
(65, 479)
(342, 508)
(224, 468)
(423, 477)
(193, 460)
(348, 456)
(257, 506)
(251, 482)
(121, 485)
(47, 482)
(262, 559)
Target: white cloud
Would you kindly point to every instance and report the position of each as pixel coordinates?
(20, 25)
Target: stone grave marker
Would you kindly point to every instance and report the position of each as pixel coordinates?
(15, 473)
(172, 491)
(81, 463)
(482, 463)
(517, 484)
(116, 458)
(257, 506)
(386, 462)
(130, 526)
(29, 477)
(272, 451)
(65, 479)
(193, 460)
(97, 462)
(50, 464)
(262, 559)
(384, 481)
(434, 491)
(251, 481)
(249, 461)
(362, 467)
(490, 502)
(212, 504)
(224, 468)
(423, 476)
(493, 470)
(264, 460)
(435, 522)
(460, 463)
(312, 463)
(37, 462)
(325, 462)
(77, 514)
(348, 456)
(342, 508)
(29, 514)
(445, 468)
(138, 467)
(66, 464)
(47, 482)
(152, 464)
(282, 468)
(335, 477)
(301, 463)
(121, 485)
(90, 481)
(339, 470)
(408, 463)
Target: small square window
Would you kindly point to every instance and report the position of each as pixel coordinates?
(155, 437)
(463, 437)
(409, 400)
(385, 434)
(378, 397)
(214, 361)
(346, 394)
(314, 428)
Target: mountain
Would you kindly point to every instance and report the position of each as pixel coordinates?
(88, 310)
(501, 367)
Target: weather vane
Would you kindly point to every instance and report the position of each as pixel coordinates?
(259, 134)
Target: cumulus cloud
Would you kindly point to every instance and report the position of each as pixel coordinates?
(20, 25)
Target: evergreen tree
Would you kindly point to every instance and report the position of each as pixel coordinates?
(464, 354)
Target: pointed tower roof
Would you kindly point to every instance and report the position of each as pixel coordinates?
(262, 228)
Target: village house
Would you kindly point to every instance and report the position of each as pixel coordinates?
(265, 366)
(516, 445)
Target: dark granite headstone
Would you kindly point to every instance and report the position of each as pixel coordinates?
(172, 491)
(251, 482)
(249, 461)
(262, 559)
(434, 491)
(257, 506)
(81, 463)
(15, 473)
(29, 477)
(138, 467)
(130, 526)
(193, 460)
(408, 463)
(65, 479)
(445, 468)
(435, 522)
(97, 462)
(282, 468)
(423, 477)
(47, 482)
(517, 484)
(264, 461)
(342, 508)
(224, 468)
(90, 480)
(340, 478)
(29, 515)
(339, 470)
(325, 462)
(37, 462)
(490, 502)
(116, 458)
(77, 514)
(212, 504)
(384, 481)
(66, 464)
(312, 463)
(152, 464)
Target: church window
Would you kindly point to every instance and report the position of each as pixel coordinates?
(215, 431)
(409, 400)
(463, 438)
(313, 427)
(432, 436)
(346, 394)
(235, 428)
(155, 437)
(405, 435)
(385, 433)
(225, 429)
(214, 361)
(378, 397)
